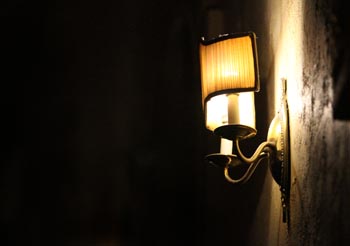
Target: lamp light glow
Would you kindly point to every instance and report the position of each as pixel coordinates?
(229, 65)
(226, 109)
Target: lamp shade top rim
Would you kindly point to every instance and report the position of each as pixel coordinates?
(226, 36)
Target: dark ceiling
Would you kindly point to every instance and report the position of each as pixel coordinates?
(104, 131)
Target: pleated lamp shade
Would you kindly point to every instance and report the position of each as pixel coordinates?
(229, 74)
(229, 65)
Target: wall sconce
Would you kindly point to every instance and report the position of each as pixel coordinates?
(230, 76)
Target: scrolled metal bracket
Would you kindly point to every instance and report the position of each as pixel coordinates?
(275, 149)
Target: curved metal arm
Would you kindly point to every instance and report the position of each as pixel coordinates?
(257, 153)
(247, 174)
(261, 152)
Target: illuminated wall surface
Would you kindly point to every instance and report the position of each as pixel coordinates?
(302, 51)
(296, 42)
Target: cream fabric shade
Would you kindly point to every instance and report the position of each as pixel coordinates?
(229, 64)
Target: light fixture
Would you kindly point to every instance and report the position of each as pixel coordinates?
(230, 76)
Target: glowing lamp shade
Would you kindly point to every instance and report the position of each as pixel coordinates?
(229, 75)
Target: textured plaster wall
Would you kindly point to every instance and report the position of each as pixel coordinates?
(301, 46)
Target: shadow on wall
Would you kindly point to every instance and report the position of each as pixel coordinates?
(339, 21)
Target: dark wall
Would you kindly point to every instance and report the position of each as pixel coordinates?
(103, 123)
